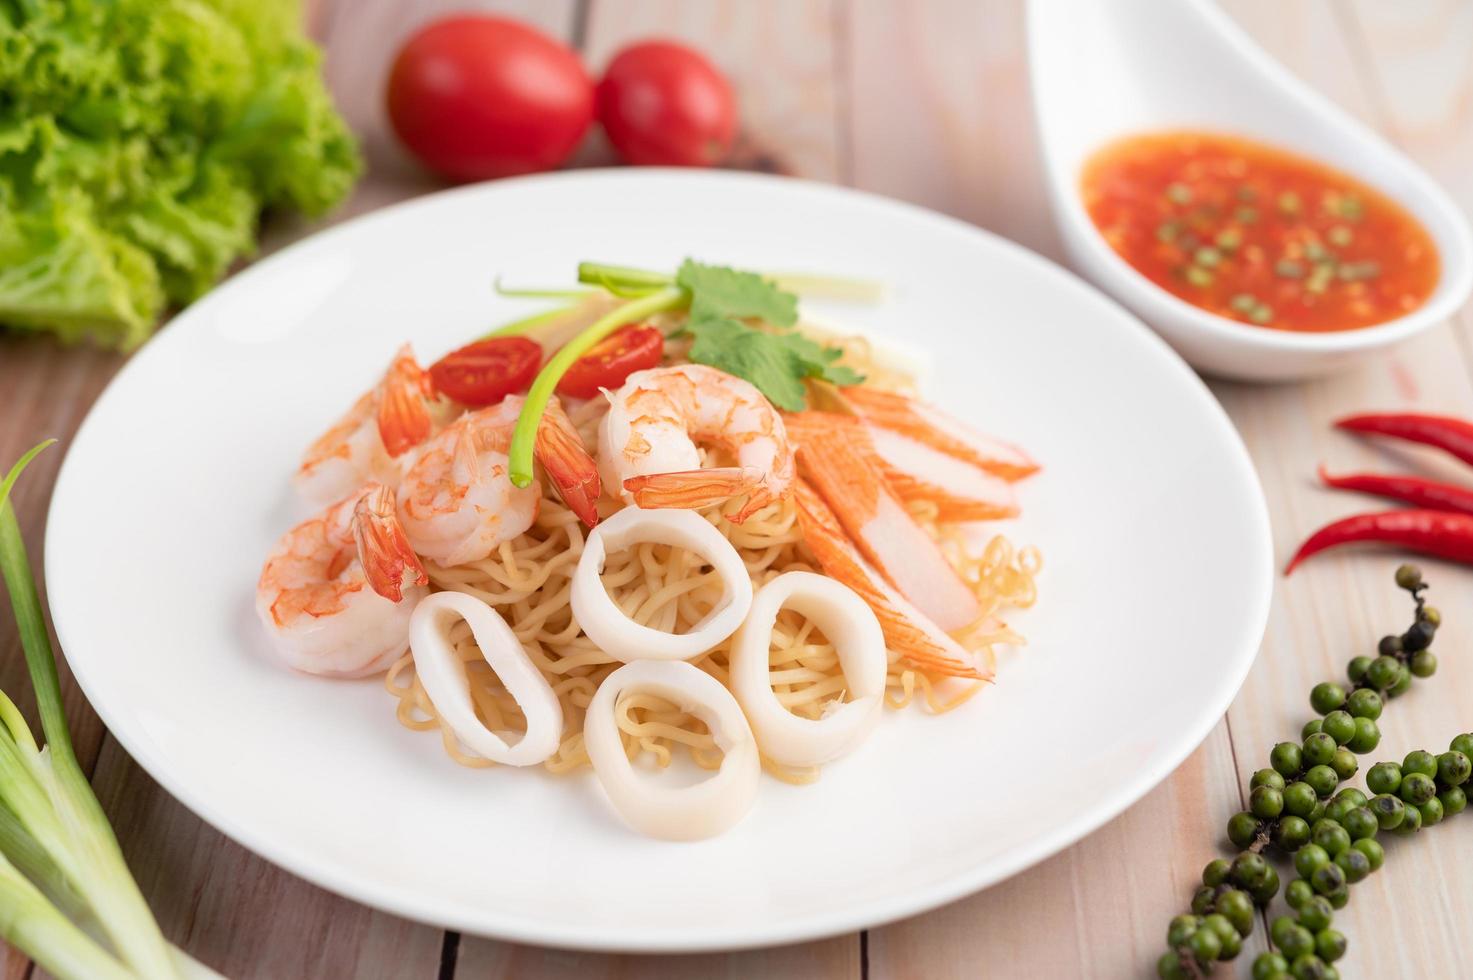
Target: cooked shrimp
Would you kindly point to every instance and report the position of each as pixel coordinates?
(457, 502)
(383, 424)
(834, 460)
(909, 634)
(336, 592)
(929, 425)
(648, 440)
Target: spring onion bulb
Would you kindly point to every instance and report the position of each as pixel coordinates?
(55, 837)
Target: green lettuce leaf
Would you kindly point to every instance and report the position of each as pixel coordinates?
(139, 142)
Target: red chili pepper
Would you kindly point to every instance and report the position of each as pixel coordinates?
(1427, 494)
(1449, 434)
(1431, 532)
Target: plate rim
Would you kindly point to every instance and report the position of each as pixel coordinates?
(507, 925)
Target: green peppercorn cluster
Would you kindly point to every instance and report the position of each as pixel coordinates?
(1290, 805)
(1420, 792)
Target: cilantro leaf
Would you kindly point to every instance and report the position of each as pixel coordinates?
(761, 358)
(822, 362)
(717, 291)
(777, 363)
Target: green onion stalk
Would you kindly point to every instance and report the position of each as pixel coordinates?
(62, 874)
(524, 437)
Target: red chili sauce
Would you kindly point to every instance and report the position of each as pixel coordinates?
(1256, 234)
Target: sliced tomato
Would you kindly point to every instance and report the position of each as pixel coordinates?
(487, 371)
(616, 357)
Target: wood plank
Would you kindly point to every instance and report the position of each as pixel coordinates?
(940, 114)
(1337, 607)
(1340, 605)
(1415, 56)
(46, 390)
(1415, 82)
(784, 67)
(1329, 612)
(237, 913)
(936, 111)
(1311, 627)
(486, 960)
(228, 907)
(1099, 909)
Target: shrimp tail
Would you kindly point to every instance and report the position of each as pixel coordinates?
(573, 472)
(403, 414)
(383, 548)
(692, 489)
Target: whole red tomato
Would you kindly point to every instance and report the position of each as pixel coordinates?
(476, 97)
(664, 103)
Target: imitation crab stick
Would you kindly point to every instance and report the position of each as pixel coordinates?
(927, 424)
(908, 632)
(835, 462)
(915, 471)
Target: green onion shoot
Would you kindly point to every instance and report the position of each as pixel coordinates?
(67, 898)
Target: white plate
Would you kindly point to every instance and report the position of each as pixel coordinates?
(1154, 594)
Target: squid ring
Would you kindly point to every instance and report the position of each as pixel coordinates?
(688, 812)
(618, 635)
(852, 628)
(442, 673)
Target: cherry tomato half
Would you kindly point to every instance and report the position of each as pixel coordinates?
(487, 371)
(616, 357)
(664, 103)
(475, 97)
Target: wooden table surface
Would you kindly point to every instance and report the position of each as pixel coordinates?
(928, 102)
